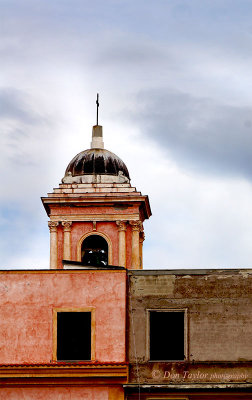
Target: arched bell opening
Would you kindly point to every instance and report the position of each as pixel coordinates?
(94, 251)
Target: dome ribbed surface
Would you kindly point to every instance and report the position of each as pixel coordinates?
(96, 161)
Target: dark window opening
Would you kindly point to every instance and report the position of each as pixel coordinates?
(167, 335)
(89, 165)
(110, 167)
(74, 336)
(94, 251)
(78, 168)
(99, 166)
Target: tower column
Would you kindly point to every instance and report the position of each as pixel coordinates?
(67, 240)
(122, 242)
(135, 254)
(141, 240)
(53, 226)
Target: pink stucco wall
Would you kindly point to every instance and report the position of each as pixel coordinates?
(61, 393)
(27, 300)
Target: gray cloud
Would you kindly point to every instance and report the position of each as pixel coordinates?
(198, 132)
(58, 53)
(25, 133)
(128, 52)
(13, 104)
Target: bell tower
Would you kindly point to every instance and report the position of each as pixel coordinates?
(96, 216)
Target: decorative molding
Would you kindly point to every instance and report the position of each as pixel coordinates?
(94, 217)
(136, 225)
(66, 225)
(98, 200)
(142, 236)
(94, 225)
(122, 225)
(64, 374)
(58, 271)
(53, 226)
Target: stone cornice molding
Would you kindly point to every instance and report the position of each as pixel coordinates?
(106, 199)
(65, 374)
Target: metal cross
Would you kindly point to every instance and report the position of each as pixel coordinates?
(97, 105)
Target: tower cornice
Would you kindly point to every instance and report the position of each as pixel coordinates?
(98, 199)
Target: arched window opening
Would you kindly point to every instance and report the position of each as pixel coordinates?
(94, 251)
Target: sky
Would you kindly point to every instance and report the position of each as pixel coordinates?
(175, 85)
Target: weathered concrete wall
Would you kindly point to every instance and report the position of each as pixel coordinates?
(27, 301)
(219, 318)
(189, 395)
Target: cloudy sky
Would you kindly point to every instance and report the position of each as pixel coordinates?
(175, 84)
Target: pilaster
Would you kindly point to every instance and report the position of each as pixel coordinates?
(141, 240)
(135, 252)
(53, 227)
(67, 240)
(122, 226)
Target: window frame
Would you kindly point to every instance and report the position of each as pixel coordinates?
(167, 398)
(55, 328)
(147, 352)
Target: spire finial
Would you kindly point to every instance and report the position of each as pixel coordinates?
(97, 107)
(97, 139)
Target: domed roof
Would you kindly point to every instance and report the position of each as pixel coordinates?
(96, 161)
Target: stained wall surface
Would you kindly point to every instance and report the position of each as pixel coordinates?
(218, 305)
(187, 395)
(27, 302)
(62, 393)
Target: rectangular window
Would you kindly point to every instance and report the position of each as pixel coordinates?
(167, 336)
(73, 335)
(167, 398)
